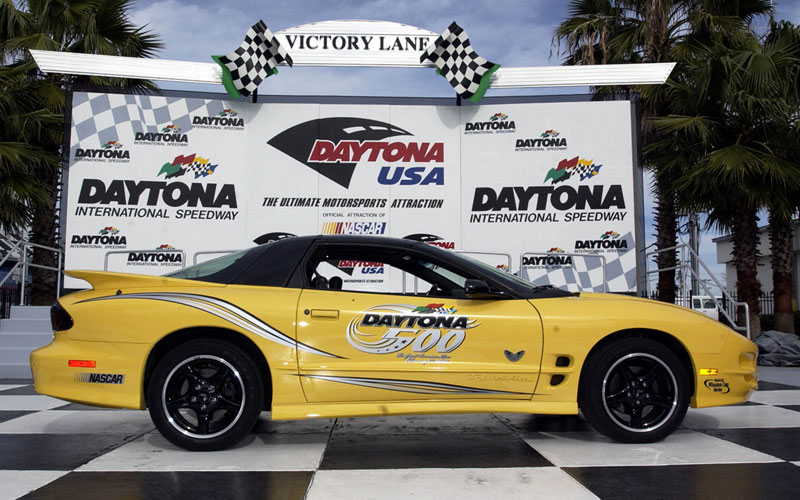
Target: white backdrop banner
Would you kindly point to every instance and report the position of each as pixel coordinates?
(153, 180)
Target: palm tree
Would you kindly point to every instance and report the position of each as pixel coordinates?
(21, 163)
(87, 26)
(783, 42)
(732, 111)
(621, 31)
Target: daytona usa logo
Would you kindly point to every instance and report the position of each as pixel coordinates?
(391, 328)
(333, 146)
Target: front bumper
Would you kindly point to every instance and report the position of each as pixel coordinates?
(736, 374)
(115, 381)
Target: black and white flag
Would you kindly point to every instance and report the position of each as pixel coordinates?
(455, 60)
(255, 59)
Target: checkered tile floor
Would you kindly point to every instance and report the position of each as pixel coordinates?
(51, 449)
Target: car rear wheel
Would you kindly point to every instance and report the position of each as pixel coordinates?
(205, 395)
(634, 391)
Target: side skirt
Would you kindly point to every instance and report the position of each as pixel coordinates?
(383, 408)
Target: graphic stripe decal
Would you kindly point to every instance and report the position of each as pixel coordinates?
(412, 386)
(226, 311)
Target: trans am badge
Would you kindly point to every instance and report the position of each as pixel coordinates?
(390, 328)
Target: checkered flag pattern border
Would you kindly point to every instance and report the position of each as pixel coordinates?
(254, 60)
(467, 72)
(99, 118)
(586, 274)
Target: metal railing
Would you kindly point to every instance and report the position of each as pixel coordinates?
(684, 269)
(22, 247)
(582, 255)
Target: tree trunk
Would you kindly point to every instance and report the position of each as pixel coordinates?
(44, 281)
(666, 236)
(780, 240)
(745, 237)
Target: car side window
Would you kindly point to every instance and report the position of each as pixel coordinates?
(374, 271)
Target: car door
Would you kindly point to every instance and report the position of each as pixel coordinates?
(391, 345)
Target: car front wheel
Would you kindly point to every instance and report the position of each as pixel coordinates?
(205, 395)
(634, 391)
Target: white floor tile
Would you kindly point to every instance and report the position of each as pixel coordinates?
(4, 387)
(259, 452)
(80, 422)
(29, 402)
(445, 484)
(776, 397)
(582, 449)
(19, 482)
(741, 417)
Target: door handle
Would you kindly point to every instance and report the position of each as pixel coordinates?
(324, 314)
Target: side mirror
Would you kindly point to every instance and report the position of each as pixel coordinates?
(476, 287)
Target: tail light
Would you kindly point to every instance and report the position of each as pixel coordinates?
(60, 318)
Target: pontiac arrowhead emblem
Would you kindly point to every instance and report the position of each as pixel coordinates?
(514, 357)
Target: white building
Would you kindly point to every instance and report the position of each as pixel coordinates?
(724, 245)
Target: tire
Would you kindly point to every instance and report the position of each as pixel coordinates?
(205, 395)
(634, 391)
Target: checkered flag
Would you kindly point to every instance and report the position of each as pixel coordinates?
(255, 59)
(466, 71)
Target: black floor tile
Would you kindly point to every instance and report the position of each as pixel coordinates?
(26, 390)
(364, 451)
(688, 482)
(291, 485)
(54, 451)
(545, 423)
(775, 386)
(9, 414)
(781, 442)
(306, 426)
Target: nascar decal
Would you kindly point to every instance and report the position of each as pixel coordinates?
(226, 311)
(333, 146)
(391, 328)
(412, 386)
(100, 378)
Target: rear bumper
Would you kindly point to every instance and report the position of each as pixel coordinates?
(736, 377)
(115, 382)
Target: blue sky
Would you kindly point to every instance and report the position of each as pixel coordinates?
(510, 32)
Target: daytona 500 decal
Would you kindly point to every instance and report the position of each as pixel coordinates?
(390, 328)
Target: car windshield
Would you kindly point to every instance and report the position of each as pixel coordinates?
(207, 268)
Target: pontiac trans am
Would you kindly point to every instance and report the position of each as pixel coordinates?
(344, 326)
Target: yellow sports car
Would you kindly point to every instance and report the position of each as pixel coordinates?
(343, 326)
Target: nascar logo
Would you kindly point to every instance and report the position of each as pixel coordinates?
(372, 228)
(100, 378)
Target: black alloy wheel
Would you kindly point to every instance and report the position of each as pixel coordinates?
(205, 395)
(634, 390)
